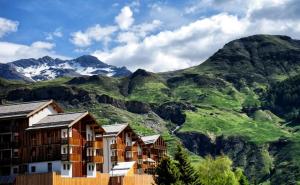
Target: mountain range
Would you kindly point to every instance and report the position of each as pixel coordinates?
(243, 101)
(47, 68)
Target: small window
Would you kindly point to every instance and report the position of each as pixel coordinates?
(33, 169)
(15, 170)
(89, 167)
(49, 167)
(68, 166)
(64, 167)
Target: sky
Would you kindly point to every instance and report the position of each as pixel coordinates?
(156, 35)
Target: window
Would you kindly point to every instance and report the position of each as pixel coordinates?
(49, 167)
(91, 167)
(15, 170)
(16, 153)
(66, 166)
(64, 133)
(32, 169)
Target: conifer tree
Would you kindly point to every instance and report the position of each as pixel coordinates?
(187, 172)
(167, 173)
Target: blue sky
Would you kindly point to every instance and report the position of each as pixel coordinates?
(154, 35)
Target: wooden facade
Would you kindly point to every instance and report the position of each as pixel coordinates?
(153, 151)
(74, 142)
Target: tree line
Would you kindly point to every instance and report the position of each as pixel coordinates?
(211, 171)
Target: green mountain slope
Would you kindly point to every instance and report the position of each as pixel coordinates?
(232, 104)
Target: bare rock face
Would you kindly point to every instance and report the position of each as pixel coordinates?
(252, 157)
(173, 111)
(59, 93)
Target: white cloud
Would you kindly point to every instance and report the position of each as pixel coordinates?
(7, 26)
(125, 18)
(12, 51)
(92, 34)
(191, 44)
(57, 33)
(42, 45)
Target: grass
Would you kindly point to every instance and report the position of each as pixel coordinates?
(229, 98)
(218, 122)
(150, 92)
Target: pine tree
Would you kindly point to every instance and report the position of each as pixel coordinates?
(187, 171)
(241, 177)
(167, 173)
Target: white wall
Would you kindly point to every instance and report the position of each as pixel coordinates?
(41, 114)
(66, 172)
(107, 153)
(89, 132)
(128, 139)
(91, 169)
(42, 167)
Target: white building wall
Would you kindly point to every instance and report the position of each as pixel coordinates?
(41, 114)
(128, 139)
(107, 152)
(90, 135)
(91, 169)
(68, 171)
(42, 167)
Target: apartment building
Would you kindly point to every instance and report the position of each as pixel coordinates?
(118, 144)
(154, 149)
(38, 137)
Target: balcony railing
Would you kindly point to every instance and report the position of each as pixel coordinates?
(94, 159)
(5, 145)
(129, 158)
(114, 158)
(70, 141)
(70, 157)
(140, 156)
(113, 146)
(5, 161)
(94, 144)
(128, 148)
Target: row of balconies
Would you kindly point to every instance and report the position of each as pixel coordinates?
(9, 145)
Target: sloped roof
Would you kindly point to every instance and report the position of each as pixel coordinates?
(23, 109)
(58, 120)
(114, 129)
(150, 139)
(121, 169)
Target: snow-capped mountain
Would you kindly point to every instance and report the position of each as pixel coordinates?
(47, 68)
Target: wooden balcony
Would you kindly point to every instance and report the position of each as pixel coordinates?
(70, 157)
(128, 148)
(140, 156)
(114, 158)
(94, 144)
(5, 161)
(113, 146)
(70, 141)
(5, 145)
(94, 159)
(129, 158)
